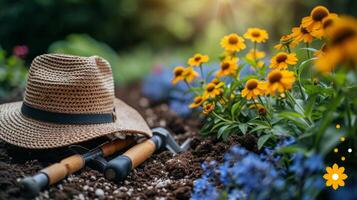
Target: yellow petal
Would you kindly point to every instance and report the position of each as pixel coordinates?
(335, 185)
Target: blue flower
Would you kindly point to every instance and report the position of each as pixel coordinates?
(204, 189)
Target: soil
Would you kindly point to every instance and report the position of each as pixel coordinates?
(163, 176)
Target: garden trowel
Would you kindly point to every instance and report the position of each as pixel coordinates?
(52, 174)
(119, 168)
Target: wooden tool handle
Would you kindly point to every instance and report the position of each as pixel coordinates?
(112, 147)
(67, 166)
(140, 152)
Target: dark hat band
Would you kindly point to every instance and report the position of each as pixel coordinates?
(66, 118)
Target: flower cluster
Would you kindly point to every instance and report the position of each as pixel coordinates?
(246, 175)
(278, 97)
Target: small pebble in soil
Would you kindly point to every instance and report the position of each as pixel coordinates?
(99, 193)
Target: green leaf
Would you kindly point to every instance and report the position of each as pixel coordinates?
(262, 140)
(243, 127)
(294, 117)
(309, 105)
(221, 131)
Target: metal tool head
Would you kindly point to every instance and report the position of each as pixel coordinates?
(169, 142)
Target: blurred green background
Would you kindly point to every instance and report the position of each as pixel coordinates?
(135, 35)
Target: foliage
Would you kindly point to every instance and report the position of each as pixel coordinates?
(246, 175)
(126, 68)
(12, 76)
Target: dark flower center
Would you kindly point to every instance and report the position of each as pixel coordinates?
(319, 14)
(343, 35)
(281, 58)
(225, 66)
(178, 72)
(233, 40)
(198, 100)
(327, 23)
(197, 58)
(304, 30)
(251, 85)
(210, 88)
(255, 34)
(275, 77)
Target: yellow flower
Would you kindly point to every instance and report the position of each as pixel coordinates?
(286, 40)
(181, 73)
(256, 35)
(279, 81)
(328, 22)
(197, 60)
(283, 60)
(228, 67)
(255, 54)
(253, 88)
(213, 90)
(190, 74)
(327, 61)
(217, 82)
(207, 108)
(233, 43)
(313, 23)
(342, 46)
(198, 101)
(301, 34)
(178, 74)
(335, 176)
(260, 108)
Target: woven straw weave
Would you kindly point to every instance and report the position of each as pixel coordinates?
(68, 84)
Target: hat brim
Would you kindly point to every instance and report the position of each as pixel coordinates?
(21, 131)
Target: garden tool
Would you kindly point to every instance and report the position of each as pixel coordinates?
(58, 171)
(118, 168)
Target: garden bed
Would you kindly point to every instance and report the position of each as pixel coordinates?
(163, 175)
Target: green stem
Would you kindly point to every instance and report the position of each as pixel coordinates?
(307, 51)
(292, 100)
(288, 48)
(203, 77)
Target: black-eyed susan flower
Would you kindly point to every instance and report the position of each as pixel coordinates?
(190, 74)
(301, 34)
(328, 22)
(256, 35)
(182, 73)
(279, 81)
(228, 67)
(286, 40)
(197, 102)
(178, 74)
(335, 176)
(254, 54)
(197, 60)
(313, 23)
(207, 108)
(260, 108)
(253, 88)
(233, 43)
(342, 46)
(282, 60)
(212, 90)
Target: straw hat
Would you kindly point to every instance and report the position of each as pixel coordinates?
(68, 99)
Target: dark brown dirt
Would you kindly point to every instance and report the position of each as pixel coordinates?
(162, 175)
